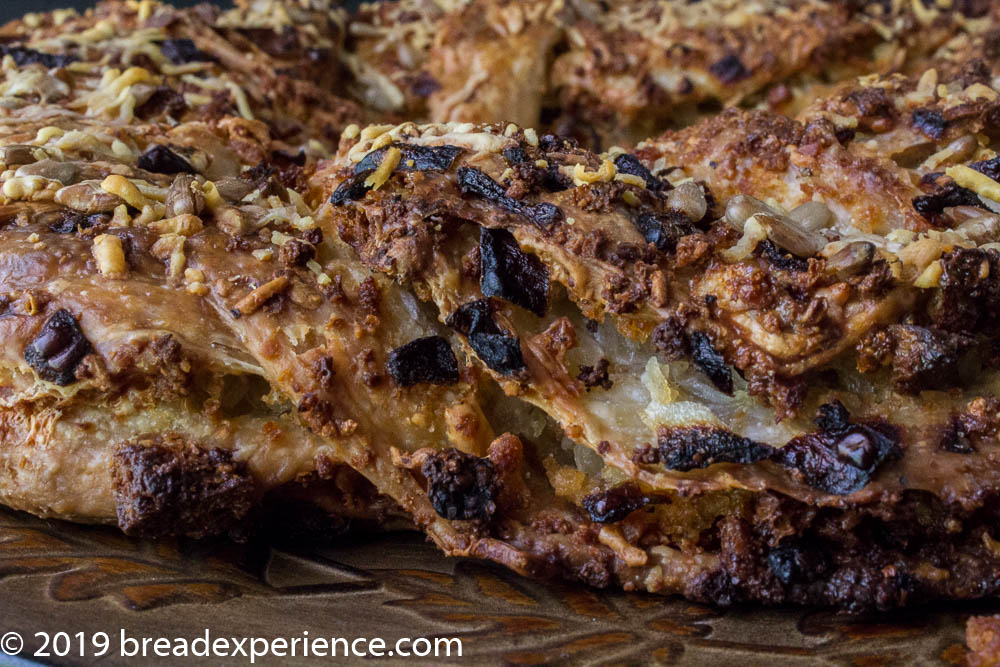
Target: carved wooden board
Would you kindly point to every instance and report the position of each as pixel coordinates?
(61, 577)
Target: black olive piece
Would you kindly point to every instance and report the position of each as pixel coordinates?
(515, 155)
(627, 163)
(989, 167)
(499, 352)
(729, 69)
(663, 230)
(930, 122)
(780, 259)
(161, 160)
(614, 504)
(24, 56)
(352, 189)
(460, 486)
(689, 447)
(711, 363)
(797, 563)
(429, 360)
(57, 349)
(70, 223)
(840, 457)
(477, 182)
(946, 197)
(183, 51)
(510, 273)
(424, 158)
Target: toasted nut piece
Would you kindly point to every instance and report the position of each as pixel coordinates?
(232, 221)
(86, 197)
(170, 247)
(233, 190)
(741, 208)
(980, 227)
(117, 184)
(66, 173)
(184, 197)
(852, 259)
(790, 236)
(182, 225)
(812, 216)
(252, 302)
(21, 154)
(689, 199)
(110, 258)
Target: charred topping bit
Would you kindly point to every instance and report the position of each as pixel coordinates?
(161, 160)
(511, 274)
(295, 252)
(688, 447)
(164, 486)
(429, 360)
(978, 423)
(969, 301)
(183, 51)
(412, 158)
(595, 376)
(711, 363)
(670, 340)
(253, 301)
(626, 163)
(729, 69)
(797, 563)
(24, 56)
(500, 351)
(955, 439)
(841, 457)
(614, 504)
(324, 371)
(924, 358)
(477, 182)
(352, 189)
(663, 230)
(460, 486)
(57, 349)
(930, 122)
(77, 221)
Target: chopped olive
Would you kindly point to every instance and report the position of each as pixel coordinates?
(477, 182)
(499, 352)
(946, 197)
(429, 360)
(161, 160)
(614, 504)
(690, 447)
(24, 56)
(663, 230)
(74, 221)
(515, 155)
(473, 317)
(729, 69)
(840, 457)
(182, 51)
(710, 362)
(511, 274)
(352, 189)
(460, 486)
(780, 259)
(989, 167)
(57, 349)
(627, 163)
(930, 122)
(424, 158)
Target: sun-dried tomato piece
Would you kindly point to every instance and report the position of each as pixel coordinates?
(428, 359)
(58, 348)
(510, 273)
